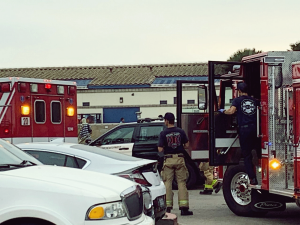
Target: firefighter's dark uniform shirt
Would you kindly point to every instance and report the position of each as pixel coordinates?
(246, 109)
(172, 140)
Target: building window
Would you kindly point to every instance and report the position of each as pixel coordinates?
(90, 118)
(175, 100)
(86, 104)
(163, 102)
(190, 101)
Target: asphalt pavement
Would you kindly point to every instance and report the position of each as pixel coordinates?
(212, 209)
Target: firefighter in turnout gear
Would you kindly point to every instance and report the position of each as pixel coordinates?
(210, 182)
(173, 141)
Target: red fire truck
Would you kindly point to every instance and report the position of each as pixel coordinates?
(37, 110)
(273, 79)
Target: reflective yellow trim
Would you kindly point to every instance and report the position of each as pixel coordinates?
(207, 186)
(183, 203)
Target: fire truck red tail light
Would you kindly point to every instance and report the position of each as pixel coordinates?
(71, 90)
(6, 131)
(5, 87)
(48, 86)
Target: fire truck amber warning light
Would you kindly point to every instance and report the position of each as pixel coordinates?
(70, 111)
(25, 110)
(275, 164)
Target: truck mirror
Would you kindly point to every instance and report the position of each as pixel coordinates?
(202, 97)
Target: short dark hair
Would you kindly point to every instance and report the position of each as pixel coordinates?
(170, 117)
(242, 87)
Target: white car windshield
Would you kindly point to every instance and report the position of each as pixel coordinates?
(10, 154)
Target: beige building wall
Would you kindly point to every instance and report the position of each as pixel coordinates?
(148, 99)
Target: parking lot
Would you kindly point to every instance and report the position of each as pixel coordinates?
(212, 209)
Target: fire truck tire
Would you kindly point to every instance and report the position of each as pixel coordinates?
(191, 180)
(236, 193)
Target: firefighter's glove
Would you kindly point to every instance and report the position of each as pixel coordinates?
(221, 110)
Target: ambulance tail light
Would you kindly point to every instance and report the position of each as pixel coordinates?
(48, 87)
(71, 90)
(275, 164)
(5, 87)
(70, 111)
(33, 88)
(25, 110)
(60, 90)
(22, 87)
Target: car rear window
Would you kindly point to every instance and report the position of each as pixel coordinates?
(106, 153)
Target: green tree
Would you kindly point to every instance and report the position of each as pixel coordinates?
(296, 46)
(238, 55)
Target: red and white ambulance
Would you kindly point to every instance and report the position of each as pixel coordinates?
(34, 110)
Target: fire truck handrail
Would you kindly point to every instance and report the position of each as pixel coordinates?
(4, 105)
(224, 152)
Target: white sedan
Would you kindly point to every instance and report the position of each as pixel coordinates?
(32, 193)
(85, 157)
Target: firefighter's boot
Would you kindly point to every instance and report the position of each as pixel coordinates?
(186, 212)
(208, 190)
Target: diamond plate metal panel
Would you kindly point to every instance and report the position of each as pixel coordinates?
(280, 122)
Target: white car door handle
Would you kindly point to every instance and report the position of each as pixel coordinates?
(123, 148)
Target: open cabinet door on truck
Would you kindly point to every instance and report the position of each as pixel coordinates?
(223, 135)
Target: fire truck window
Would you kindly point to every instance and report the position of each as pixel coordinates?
(80, 162)
(40, 111)
(149, 134)
(48, 158)
(56, 112)
(228, 97)
(71, 162)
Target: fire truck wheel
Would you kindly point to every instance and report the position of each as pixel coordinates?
(236, 192)
(191, 180)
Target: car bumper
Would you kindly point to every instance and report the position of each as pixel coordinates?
(143, 220)
(158, 194)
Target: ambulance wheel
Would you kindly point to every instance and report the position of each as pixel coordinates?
(191, 180)
(236, 192)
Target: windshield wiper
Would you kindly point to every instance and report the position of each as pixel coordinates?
(22, 164)
(26, 161)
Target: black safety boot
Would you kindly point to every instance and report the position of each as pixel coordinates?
(169, 209)
(186, 212)
(218, 187)
(206, 192)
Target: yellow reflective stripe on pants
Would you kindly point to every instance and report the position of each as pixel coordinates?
(169, 203)
(206, 186)
(183, 203)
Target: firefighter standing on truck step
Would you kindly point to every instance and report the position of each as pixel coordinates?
(173, 141)
(245, 106)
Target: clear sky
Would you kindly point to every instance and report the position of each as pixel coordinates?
(42, 33)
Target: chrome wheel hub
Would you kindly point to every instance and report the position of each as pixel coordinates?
(240, 190)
